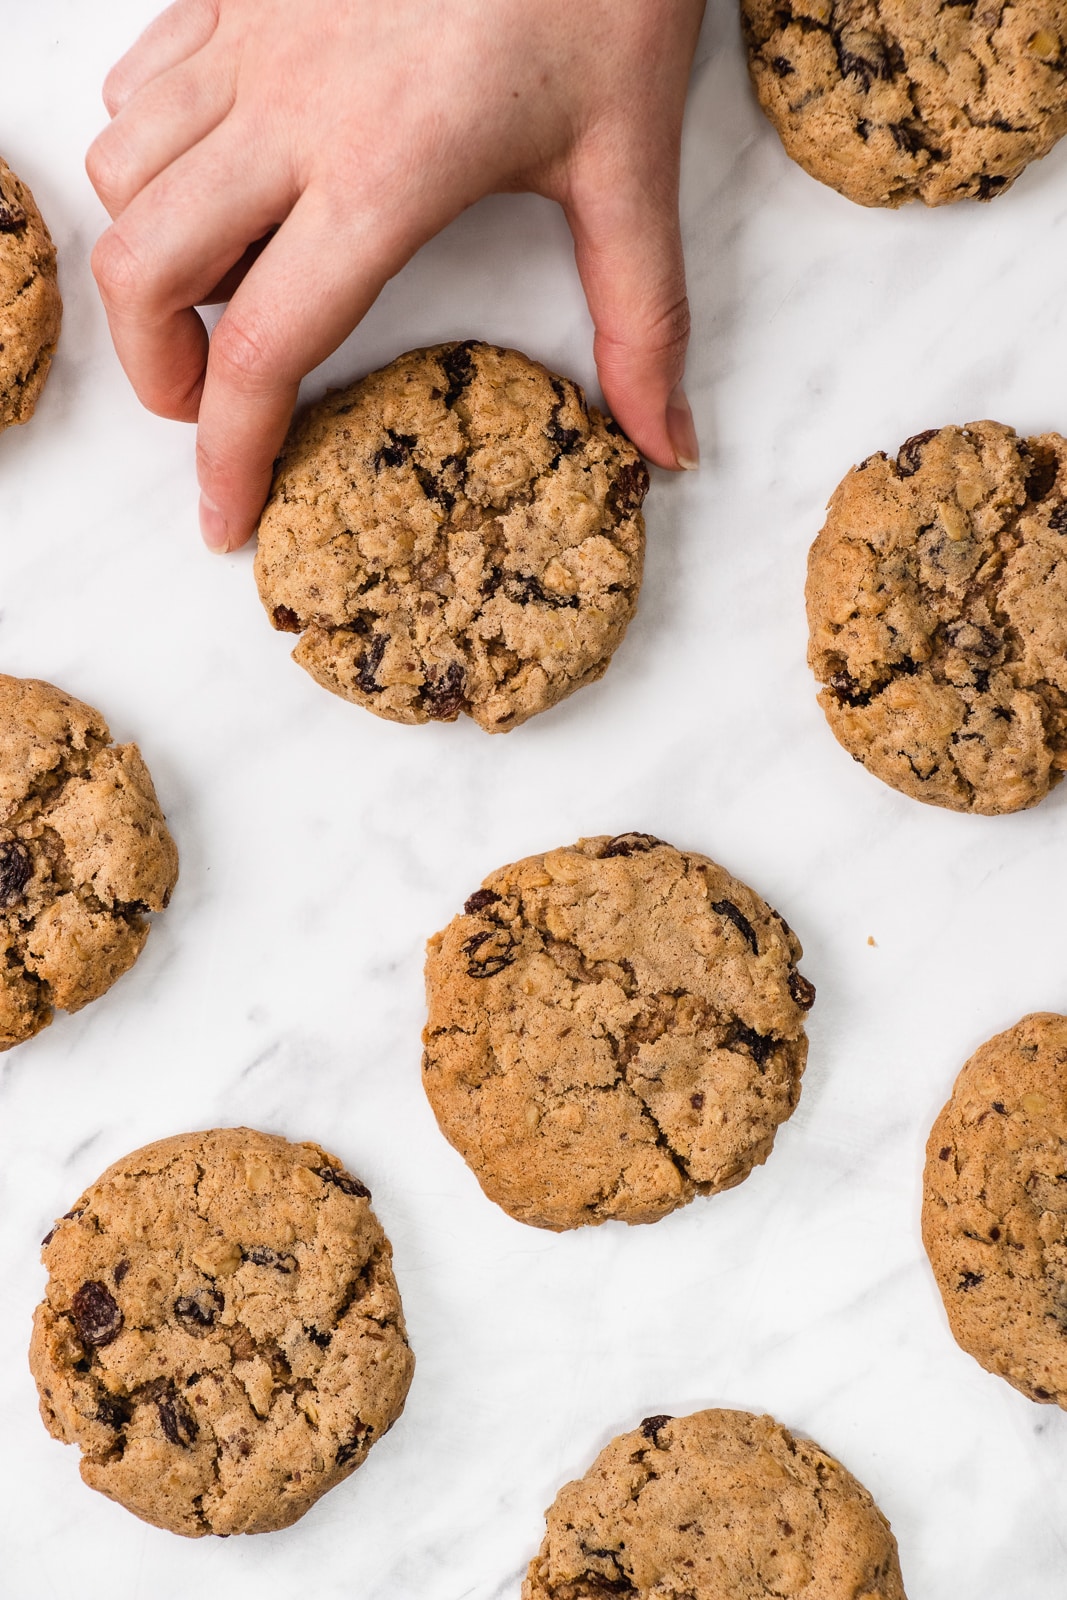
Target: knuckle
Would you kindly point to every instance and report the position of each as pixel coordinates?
(242, 352)
(119, 275)
(105, 171)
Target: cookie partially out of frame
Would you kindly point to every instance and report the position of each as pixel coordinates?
(937, 604)
(613, 1029)
(458, 532)
(719, 1505)
(994, 1212)
(84, 856)
(30, 307)
(221, 1334)
(896, 100)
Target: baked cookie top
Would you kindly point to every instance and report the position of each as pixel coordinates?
(221, 1334)
(896, 100)
(613, 1028)
(84, 854)
(458, 532)
(994, 1214)
(937, 604)
(30, 307)
(720, 1505)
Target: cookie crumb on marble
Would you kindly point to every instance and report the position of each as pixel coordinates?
(614, 1028)
(221, 1334)
(457, 533)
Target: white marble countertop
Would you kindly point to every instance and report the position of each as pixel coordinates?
(321, 846)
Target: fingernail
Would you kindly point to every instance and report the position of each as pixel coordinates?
(682, 432)
(213, 529)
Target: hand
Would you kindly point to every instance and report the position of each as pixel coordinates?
(292, 155)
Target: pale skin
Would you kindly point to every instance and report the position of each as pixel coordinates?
(347, 133)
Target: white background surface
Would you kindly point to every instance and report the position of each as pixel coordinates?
(321, 846)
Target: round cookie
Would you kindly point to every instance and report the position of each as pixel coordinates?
(613, 1028)
(937, 604)
(720, 1505)
(458, 532)
(84, 854)
(896, 100)
(221, 1334)
(994, 1215)
(30, 307)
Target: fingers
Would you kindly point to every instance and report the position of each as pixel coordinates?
(162, 121)
(313, 283)
(170, 248)
(623, 213)
(175, 35)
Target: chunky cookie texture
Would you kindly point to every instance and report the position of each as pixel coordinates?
(896, 100)
(994, 1213)
(459, 532)
(613, 1028)
(720, 1505)
(84, 856)
(221, 1335)
(937, 604)
(30, 307)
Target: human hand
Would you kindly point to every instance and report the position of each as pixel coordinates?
(345, 134)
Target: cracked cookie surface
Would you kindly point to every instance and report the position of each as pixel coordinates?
(896, 100)
(458, 532)
(719, 1505)
(221, 1333)
(613, 1028)
(937, 606)
(994, 1214)
(30, 307)
(84, 856)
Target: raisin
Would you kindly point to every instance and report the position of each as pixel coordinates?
(522, 587)
(1043, 472)
(352, 1447)
(458, 367)
(628, 844)
(286, 620)
(970, 1280)
(16, 870)
(758, 1045)
(369, 663)
(343, 1180)
(433, 489)
(1058, 519)
(697, 1101)
(396, 451)
(320, 1339)
(113, 1410)
(651, 1425)
(988, 186)
(782, 67)
(998, 1105)
(847, 689)
(261, 1255)
(197, 1312)
(628, 490)
(727, 909)
(994, 1234)
(177, 1421)
(96, 1315)
(120, 1272)
(478, 901)
(566, 438)
(1042, 1394)
(442, 697)
(12, 217)
(486, 964)
(910, 454)
(944, 1153)
(802, 991)
(910, 138)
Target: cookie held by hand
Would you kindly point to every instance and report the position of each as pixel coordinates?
(458, 532)
(613, 1029)
(85, 855)
(221, 1334)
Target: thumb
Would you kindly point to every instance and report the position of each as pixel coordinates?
(623, 213)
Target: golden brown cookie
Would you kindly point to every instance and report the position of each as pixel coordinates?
(613, 1028)
(221, 1334)
(458, 532)
(720, 1505)
(84, 855)
(937, 604)
(30, 307)
(995, 1206)
(896, 100)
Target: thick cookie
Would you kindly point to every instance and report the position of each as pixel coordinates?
(221, 1335)
(458, 532)
(613, 1028)
(84, 854)
(720, 1505)
(937, 602)
(30, 307)
(994, 1213)
(895, 100)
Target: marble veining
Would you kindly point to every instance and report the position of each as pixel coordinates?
(320, 847)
